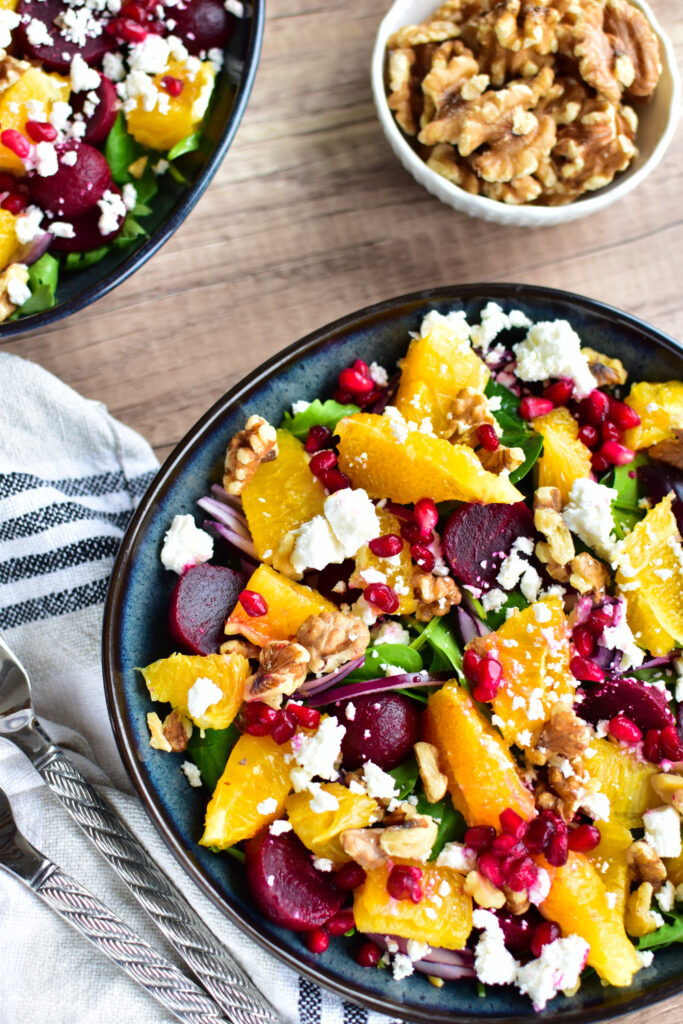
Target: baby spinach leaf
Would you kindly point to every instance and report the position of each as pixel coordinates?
(405, 776)
(187, 145)
(516, 432)
(514, 600)
(319, 414)
(121, 150)
(451, 824)
(42, 280)
(81, 260)
(441, 639)
(404, 658)
(210, 752)
(625, 509)
(130, 231)
(670, 932)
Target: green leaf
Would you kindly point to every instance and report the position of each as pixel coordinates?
(664, 936)
(235, 852)
(130, 231)
(404, 658)
(210, 752)
(319, 414)
(187, 145)
(81, 260)
(441, 639)
(516, 432)
(514, 599)
(451, 824)
(146, 188)
(121, 150)
(42, 280)
(405, 777)
(625, 509)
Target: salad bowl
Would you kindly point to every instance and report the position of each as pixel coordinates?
(136, 633)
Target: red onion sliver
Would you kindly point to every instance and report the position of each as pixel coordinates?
(405, 681)
(228, 499)
(225, 514)
(313, 686)
(243, 544)
(449, 964)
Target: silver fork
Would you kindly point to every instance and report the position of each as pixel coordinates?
(211, 964)
(105, 930)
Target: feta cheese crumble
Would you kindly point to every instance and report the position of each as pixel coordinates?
(192, 774)
(278, 828)
(588, 514)
(185, 545)
(348, 522)
(494, 964)
(552, 349)
(202, 695)
(663, 831)
(267, 806)
(317, 754)
(557, 968)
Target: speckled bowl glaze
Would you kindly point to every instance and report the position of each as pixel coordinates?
(136, 633)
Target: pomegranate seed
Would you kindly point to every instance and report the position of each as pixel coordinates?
(361, 366)
(584, 641)
(382, 596)
(599, 463)
(341, 923)
(594, 409)
(540, 832)
(589, 435)
(616, 453)
(601, 619)
(355, 382)
(14, 203)
(341, 396)
(487, 437)
(403, 883)
(508, 844)
(623, 415)
(386, 546)
(400, 511)
(652, 747)
(560, 392)
(39, 131)
(523, 875)
(425, 515)
(586, 670)
(558, 848)
(530, 407)
(584, 838)
(625, 730)
(136, 12)
(480, 837)
(257, 711)
(414, 535)
(254, 604)
(17, 142)
(349, 876)
(131, 31)
(173, 86)
(366, 400)
(334, 480)
(369, 955)
(318, 437)
(283, 729)
(546, 932)
(518, 931)
(7, 182)
(322, 461)
(490, 867)
(609, 431)
(512, 823)
(470, 665)
(309, 718)
(317, 940)
(490, 675)
(672, 749)
(423, 557)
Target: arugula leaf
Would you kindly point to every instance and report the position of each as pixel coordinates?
(664, 936)
(81, 260)
(405, 776)
(451, 824)
(319, 414)
(42, 280)
(516, 432)
(187, 145)
(121, 150)
(210, 752)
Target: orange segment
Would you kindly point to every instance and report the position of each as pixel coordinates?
(482, 775)
(442, 918)
(407, 465)
(578, 902)
(398, 577)
(609, 860)
(289, 604)
(34, 84)
(565, 458)
(256, 776)
(163, 127)
(533, 648)
(625, 781)
(660, 407)
(674, 869)
(282, 496)
(650, 577)
(9, 244)
(321, 832)
(171, 679)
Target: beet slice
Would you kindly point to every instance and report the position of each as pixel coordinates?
(645, 705)
(383, 729)
(477, 538)
(201, 601)
(76, 187)
(285, 886)
(87, 233)
(101, 121)
(202, 24)
(57, 56)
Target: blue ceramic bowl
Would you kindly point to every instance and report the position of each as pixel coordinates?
(174, 201)
(136, 633)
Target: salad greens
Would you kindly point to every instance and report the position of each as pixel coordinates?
(516, 432)
(318, 414)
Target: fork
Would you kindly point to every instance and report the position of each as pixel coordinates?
(105, 930)
(218, 973)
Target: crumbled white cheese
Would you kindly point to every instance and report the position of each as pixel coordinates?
(8, 22)
(37, 33)
(202, 695)
(27, 224)
(300, 406)
(59, 119)
(378, 783)
(112, 211)
(451, 328)
(553, 349)
(317, 754)
(666, 897)
(530, 584)
(267, 806)
(379, 375)
(399, 427)
(588, 514)
(315, 546)
(540, 888)
(129, 194)
(46, 163)
(62, 229)
(542, 612)
(493, 321)
(390, 632)
(322, 801)
(113, 67)
(457, 856)
(280, 826)
(494, 600)
(323, 864)
(185, 544)
(151, 55)
(663, 831)
(192, 773)
(83, 77)
(620, 638)
(17, 292)
(645, 957)
(557, 968)
(416, 949)
(234, 7)
(402, 966)
(348, 523)
(597, 805)
(493, 963)
(138, 86)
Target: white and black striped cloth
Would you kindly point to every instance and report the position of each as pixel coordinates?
(70, 477)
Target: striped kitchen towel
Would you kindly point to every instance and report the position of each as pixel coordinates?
(70, 478)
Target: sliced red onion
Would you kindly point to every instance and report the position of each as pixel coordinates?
(226, 514)
(400, 511)
(655, 663)
(34, 249)
(387, 395)
(243, 544)
(405, 681)
(468, 609)
(228, 499)
(449, 964)
(324, 682)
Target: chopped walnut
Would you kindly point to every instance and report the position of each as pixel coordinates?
(363, 846)
(436, 595)
(416, 35)
(469, 410)
(564, 101)
(516, 902)
(514, 192)
(504, 62)
(645, 864)
(548, 521)
(177, 729)
(444, 82)
(588, 575)
(521, 26)
(609, 373)
(250, 447)
(240, 646)
(11, 71)
(617, 49)
(669, 789)
(403, 97)
(413, 838)
(594, 147)
(157, 740)
(483, 892)
(639, 919)
(669, 451)
(434, 782)
(332, 639)
(503, 460)
(445, 161)
(283, 667)
(568, 789)
(563, 735)
(12, 276)
(282, 558)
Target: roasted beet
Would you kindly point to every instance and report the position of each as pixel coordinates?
(202, 24)
(383, 729)
(333, 576)
(285, 886)
(478, 537)
(645, 705)
(658, 479)
(76, 187)
(87, 233)
(99, 123)
(201, 601)
(57, 56)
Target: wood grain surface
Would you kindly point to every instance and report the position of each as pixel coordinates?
(311, 217)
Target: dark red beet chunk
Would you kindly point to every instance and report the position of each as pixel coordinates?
(58, 55)
(478, 537)
(392, 724)
(658, 480)
(100, 122)
(201, 601)
(87, 234)
(299, 896)
(202, 24)
(75, 188)
(645, 705)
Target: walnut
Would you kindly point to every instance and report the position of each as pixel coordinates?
(617, 49)
(645, 864)
(416, 35)
(669, 789)
(445, 161)
(514, 192)
(669, 451)
(609, 373)
(567, 788)
(12, 276)
(564, 101)
(639, 919)
(436, 595)
(177, 729)
(563, 735)
(469, 410)
(283, 667)
(157, 740)
(504, 62)
(594, 147)
(250, 447)
(516, 902)
(525, 26)
(503, 460)
(282, 558)
(588, 575)
(240, 646)
(403, 98)
(363, 846)
(332, 639)
(11, 70)
(483, 892)
(434, 782)
(413, 838)
(548, 521)
(445, 80)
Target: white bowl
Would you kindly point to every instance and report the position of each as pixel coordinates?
(657, 123)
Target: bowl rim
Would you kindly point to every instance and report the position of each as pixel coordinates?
(188, 202)
(166, 475)
(522, 215)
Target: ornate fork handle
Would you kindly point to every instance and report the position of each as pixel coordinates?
(220, 975)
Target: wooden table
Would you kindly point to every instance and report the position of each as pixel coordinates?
(311, 217)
